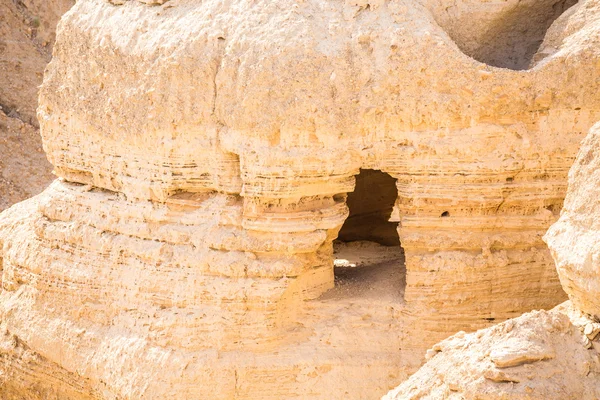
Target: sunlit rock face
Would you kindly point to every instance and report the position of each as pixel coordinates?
(573, 240)
(539, 355)
(543, 354)
(205, 151)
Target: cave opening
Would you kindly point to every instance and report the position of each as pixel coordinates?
(513, 41)
(369, 260)
(371, 205)
(508, 34)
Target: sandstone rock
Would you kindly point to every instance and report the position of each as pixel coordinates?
(504, 34)
(549, 359)
(151, 2)
(591, 331)
(561, 345)
(573, 239)
(205, 151)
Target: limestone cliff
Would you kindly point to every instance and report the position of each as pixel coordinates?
(540, 355)
(205, 150)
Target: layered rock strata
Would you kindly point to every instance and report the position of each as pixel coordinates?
(205, 151)
(540, 355)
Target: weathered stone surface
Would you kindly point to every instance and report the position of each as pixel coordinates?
(573, 240)
(540, 355)
(205, 150)
(505, 33)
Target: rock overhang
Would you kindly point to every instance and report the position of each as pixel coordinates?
(313, 77)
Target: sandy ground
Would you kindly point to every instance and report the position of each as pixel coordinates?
(366, 270)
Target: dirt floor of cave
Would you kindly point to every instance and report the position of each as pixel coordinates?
(368, 270)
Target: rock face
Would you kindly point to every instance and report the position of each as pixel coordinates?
(573, 240)
(540, 355)
(205, 150)
(26, 38)
(505, 34)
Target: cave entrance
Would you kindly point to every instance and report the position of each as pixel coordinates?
(513, 38)
(369, 260)
(371, 206)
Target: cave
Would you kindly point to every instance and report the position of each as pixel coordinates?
(507, 34)
(368, 254)
(371, 204)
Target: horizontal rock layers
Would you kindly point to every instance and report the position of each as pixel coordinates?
(540, 355)
(205, 150)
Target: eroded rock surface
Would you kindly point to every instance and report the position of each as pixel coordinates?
(205, 150)
(540, 355)
(573, 240)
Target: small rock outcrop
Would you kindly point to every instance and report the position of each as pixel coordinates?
(206, 151)
(540, 355)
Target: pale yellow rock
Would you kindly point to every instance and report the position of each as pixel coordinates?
(592, 330)
(573, 240)
(544, 356)
(205, 150)
(500, 33)
(540, 355)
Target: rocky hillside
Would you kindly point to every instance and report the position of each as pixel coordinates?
(26, 37)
